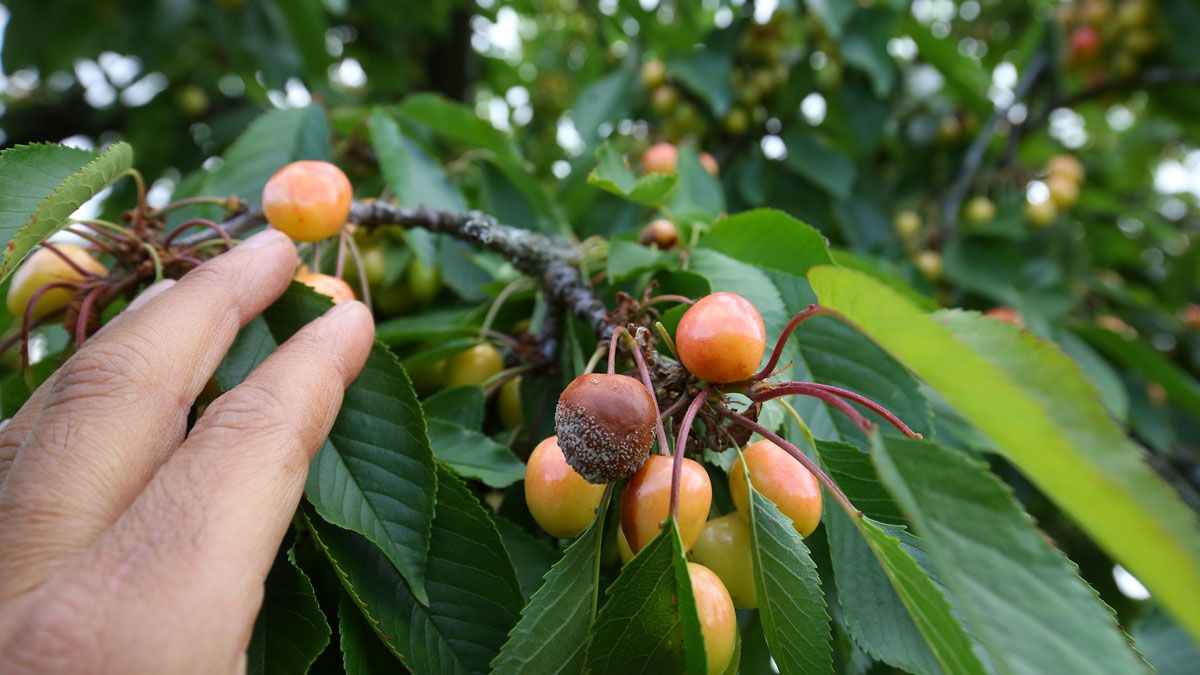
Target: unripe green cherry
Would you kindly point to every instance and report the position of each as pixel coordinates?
(908, 225)
(307, 200)
(929, 264)
(45, 267)
(509, 405)
(654, 73)
(1041, 214)
(782, 480)
(721, 338)
(724, 548)
(424, 281)
(646, 501)
(561, 501)
(980, 211)
(718, 620)
(474, 366)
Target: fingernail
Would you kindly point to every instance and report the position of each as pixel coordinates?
(152, 291)
(343, 308)
(267, 237)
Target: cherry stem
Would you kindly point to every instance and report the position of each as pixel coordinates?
(681, 439)
(108, 229)
(801, 317)
(95, 241)
(198, 222)
(612, 351)
(821, 391)
(669, 297)
(501, 298)
(85, 313)
(804, 460)
(674, 407)
(20, 334)
(640, 360)
(315, 257)
(363, 285)
(27, 322)
(340, 265)
(193, 261)
(70, 263)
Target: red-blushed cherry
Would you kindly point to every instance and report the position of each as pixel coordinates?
(1005, 314)
(718, 620)
(331, 287)
(782, 480)
(660, 158)
(661, 233)
(561, 501)
(605, 425)
(307, 200)
(721, 338)
(646, 501)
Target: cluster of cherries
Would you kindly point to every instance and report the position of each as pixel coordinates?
(606, 426)
(1108, 37)
(663, 157)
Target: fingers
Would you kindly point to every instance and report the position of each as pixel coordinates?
(119, 406)
(14, 431)
(204, 532)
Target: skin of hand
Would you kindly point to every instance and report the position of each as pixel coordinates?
(129, 544)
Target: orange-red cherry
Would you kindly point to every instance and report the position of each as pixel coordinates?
(605, 425)
(724, 548)
(718, 621)
(646, 501)
(307, 200)
(721, 338)
(782, 480)
(331, 287)
(660, 158)
(561, 501)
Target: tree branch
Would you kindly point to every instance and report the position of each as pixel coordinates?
(551, 262)
(1154, 76)
(973, 159)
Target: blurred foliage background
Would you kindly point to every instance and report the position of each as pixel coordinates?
(920, 138)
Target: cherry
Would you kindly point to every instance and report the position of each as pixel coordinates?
(1005, 314)
(474, 366)
(424, 281)
(605, 424)
(45, 267)
(646, 501)
(654, 73)
(980, 210)
(710, 164)
(509, 405)
(1064, 191)
(782, 480)
(331, 287)
(718, 621)
(724, 548)
(660, 158)
(1041, 214)
(623, 547)
(428, 378)
(1190, 316)
(1067, 166)
(660, 232)
(1083, 44)
(307, 200)
(664, 99)
(908, 225)
(561, 501)
(736, 122)
(721, 338)
(929, 264)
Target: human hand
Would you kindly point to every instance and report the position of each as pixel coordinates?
(128, 544)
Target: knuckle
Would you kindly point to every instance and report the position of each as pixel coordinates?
(104, 369)
(250, 410)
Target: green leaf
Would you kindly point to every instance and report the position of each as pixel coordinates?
(272, 141)
(532, 557)
(891, 607)
(705, 73)
(612, 175)
(1182, 389)
(1012, 585)
(604, 100)
(471, 454)
(792, 606)
(374, 474)
(363, 652)
(291, 631)
(459, 123)
(965, 77)
(417, 178)
(627, 259)
(474, 598)
(553, 630)
(865, 45)
(827, 169)
(1100, 374)
(769, 238)
(700, 195)
(648, 623)
(858, 262)
(1165, 645)
(1033, 403)
(462, 406)
(42, 185)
